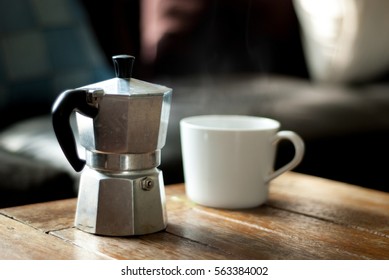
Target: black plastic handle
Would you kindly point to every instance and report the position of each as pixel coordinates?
(123, 65)
(67, 102)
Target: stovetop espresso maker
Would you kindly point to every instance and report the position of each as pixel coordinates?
(122, 123)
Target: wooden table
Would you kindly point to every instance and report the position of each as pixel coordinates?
(305, 218)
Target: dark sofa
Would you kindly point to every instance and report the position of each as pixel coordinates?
(345, 127)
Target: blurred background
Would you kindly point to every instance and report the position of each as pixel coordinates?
(201, 37)
(319, 67)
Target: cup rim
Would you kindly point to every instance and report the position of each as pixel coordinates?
(203, 122)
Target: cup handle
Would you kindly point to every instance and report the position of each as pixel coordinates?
(299, 148)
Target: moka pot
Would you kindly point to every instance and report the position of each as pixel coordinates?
(122, 124)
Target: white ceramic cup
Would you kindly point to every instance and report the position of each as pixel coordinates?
(228, 160)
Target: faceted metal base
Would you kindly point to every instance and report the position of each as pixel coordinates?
(129, 203)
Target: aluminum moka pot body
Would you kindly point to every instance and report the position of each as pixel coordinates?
(122, 124)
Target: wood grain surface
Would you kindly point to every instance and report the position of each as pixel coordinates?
(305, 218)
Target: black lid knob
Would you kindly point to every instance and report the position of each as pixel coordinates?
(123, 65)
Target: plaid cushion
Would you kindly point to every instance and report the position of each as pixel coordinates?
(46, 46)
